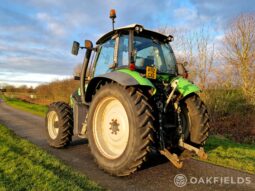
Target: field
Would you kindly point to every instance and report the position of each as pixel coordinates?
(24, 166)
(26, 106)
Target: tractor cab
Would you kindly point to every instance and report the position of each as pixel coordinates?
(136, 49)
(127, 52)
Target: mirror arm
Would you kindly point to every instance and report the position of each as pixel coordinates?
(94, 49)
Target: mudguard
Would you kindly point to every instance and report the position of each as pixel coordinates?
(124, 77)
(185, 87)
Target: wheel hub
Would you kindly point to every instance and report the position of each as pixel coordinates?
(53, 124)
(114, 126)
(110, 127)
(56, 124)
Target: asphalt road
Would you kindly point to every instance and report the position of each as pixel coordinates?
(158, 174)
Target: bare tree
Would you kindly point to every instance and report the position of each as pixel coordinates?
(204, 56)
(195, 48)
(239, 51)
(179, 44)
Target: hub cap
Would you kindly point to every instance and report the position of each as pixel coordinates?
(53, 128)
(110, 127)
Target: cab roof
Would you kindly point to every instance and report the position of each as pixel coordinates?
(130, 27)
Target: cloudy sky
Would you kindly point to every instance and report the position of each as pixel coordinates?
(36, 35)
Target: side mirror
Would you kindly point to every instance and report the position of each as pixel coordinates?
(75, 48)
(182, 70)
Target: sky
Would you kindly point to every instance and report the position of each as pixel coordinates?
(36, 35)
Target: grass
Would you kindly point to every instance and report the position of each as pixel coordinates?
(227, 153)
(39, 110)
(24, 166)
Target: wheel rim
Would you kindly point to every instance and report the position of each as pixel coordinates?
(110, 127)
(53, 128)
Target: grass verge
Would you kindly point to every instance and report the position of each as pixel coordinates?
(227, 153)
(39, 110)
(24, 166)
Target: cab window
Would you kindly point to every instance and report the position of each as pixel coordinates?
(105, 58)
(123, 51)
(154, 53)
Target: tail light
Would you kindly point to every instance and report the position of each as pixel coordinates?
(132, 66)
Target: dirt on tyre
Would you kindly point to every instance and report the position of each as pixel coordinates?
(59, 124)
(120, 125)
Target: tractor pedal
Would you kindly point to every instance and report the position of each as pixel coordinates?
(173, 158)
(199, 151)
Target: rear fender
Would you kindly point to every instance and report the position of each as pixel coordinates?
(123, 77)
(185, 87)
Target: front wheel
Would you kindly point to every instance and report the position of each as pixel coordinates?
(120, 128)
(59, 124)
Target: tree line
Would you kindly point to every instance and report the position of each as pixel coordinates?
(229, 63)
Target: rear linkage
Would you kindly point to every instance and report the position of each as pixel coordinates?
(172, 157)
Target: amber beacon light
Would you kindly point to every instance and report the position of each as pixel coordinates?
(113, 16)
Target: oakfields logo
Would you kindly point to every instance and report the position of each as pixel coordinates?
(180, 180)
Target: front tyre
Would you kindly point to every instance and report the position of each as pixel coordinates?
(120, 129)
(59, 124)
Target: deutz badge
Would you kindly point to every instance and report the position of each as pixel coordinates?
(151, 72)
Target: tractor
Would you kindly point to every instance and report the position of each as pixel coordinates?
(133, 100)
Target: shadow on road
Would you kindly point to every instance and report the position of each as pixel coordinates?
(78, 142)
(154, 159)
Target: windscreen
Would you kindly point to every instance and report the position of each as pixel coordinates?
(152, 52)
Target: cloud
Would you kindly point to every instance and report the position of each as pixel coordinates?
(222, 11)
(31, 79)
(185, 13)
(36, 35)
(53, 25)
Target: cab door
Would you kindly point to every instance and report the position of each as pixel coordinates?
(105, 58)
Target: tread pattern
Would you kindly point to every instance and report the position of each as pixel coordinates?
(201, 119)
(145, 116)
(65, 116)
(144, 133)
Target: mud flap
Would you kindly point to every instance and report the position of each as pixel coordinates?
(79, 115)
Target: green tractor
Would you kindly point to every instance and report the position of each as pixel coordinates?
(134, 99)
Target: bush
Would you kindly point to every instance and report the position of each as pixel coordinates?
(56, 91)
(231, 115)
(222, 102)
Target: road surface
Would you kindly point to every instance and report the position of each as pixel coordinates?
(158, 174)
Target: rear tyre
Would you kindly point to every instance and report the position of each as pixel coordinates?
(120, 129)
(195, 120)
(59, 124)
